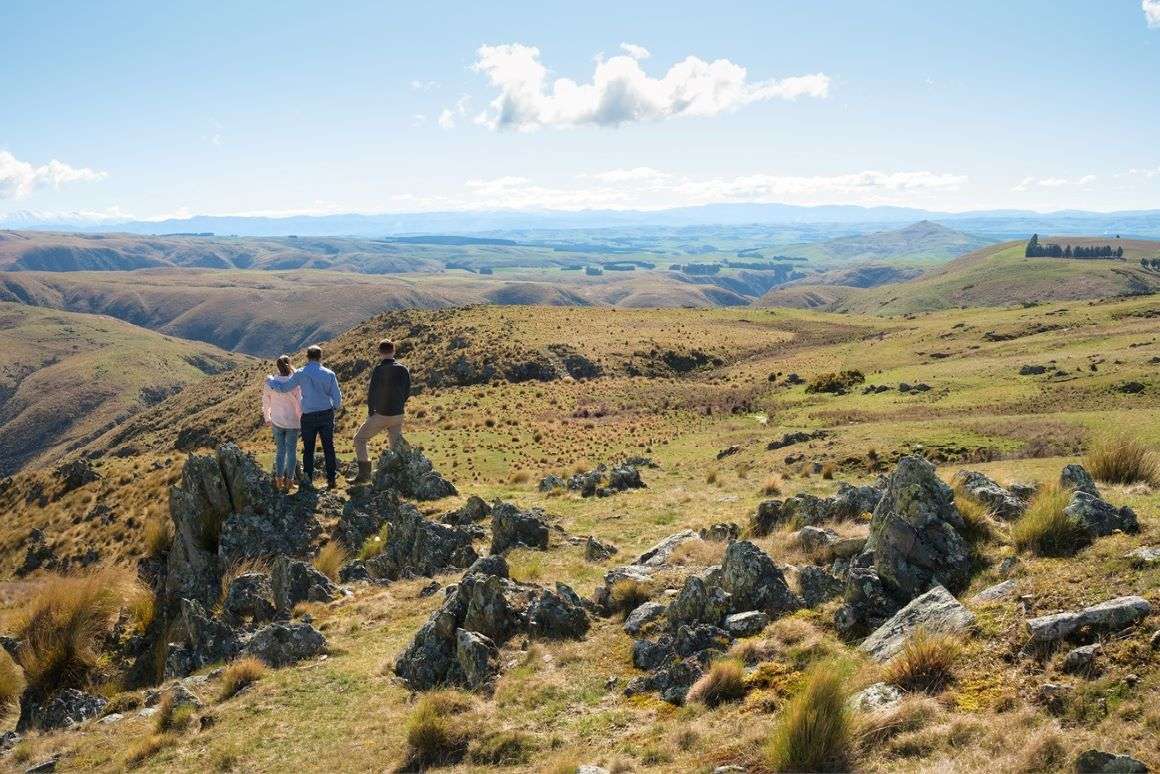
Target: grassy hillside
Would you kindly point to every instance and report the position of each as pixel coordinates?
(922, 242)
(998, 276)
(68, 377)
(563, 702)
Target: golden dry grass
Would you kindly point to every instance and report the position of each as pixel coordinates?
(723, 681)
(1123, 459)
(436, 733)
(331, 557)
(141, 751)
(1044, 529)
(158, 533)
(374, 545)
(12, 684)
(172, 715)
(627, 594)
(239, 674)
(813, 732)
(925, 662)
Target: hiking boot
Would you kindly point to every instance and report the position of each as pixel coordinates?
(363, 477)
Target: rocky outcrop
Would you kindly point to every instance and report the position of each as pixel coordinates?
(494, 608)
(601, 481)
(281, 644)
(410, 473)
(746, 624)
(982, 490)
(293, 581)
(816, 586)
(755, 582)
(1109, 616)
(934, 611)
(596, 550)
(699, 602)
(1101, 762)
(1099, 517)
(659, 554)
(804, 509)
(63, 709)
(73, 475)
(1075, 477)
(642, 616)
(511, 527)
(914, 533)
(416, 546)
(471, 512)
(249, 599)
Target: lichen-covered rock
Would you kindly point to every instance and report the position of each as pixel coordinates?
(557, 615)
(671, 682)
(478, 659)
(746, 624)
(816, 586)
(281, 644)
(597, 550)
(766, 518)
(642, 615)
(914, 533)
(1099, 517)
(935, 611)
(408, 471)
(511, 527)
(867, 605)
(1081, 660)
(489, 565)
(64, 709)
(293, 581)
(659, 554)
(875, 697)
(550, 482)
(249, 598)
(1100, 762)
(207, 641)
(698, 602)
(851, 501)
(721, 532)
(1113, 615)
(474, 510)
(982, 490)
(755, 582)
(1075, 477)
(416, 546)
(815, 540)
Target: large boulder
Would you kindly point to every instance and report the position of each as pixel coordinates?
(935, 611)
(1075, 477)
(408, 471)
(249, 598)
(755, 582)
(293, 581)
(1110, 616)
(281, 644)
(698, 602)
(207, 641)
(1100, 762)
(642, 615)
(982, 490)
(867, 603)
(63, 709)
(659, 554)
(478, 659)
(511, 527)
(416, 546)
(1099, 517)
(914, 533)
(816, 586)
(557, 615)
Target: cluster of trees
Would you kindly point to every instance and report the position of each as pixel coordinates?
(697, 268)
(1048, 250)
(1150, 263)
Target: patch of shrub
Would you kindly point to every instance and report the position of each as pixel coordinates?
(925, 662)
(772, 486)
(1044, 529)
(146, 748)
(64, 626)
(835, 383)
(813, 732)
(980, 525)
(172, 715)
(1123, 460)
(628, 594)
(374, 545)
(913, 713)
(12, 684)
(331, 557)
(501, 748)
(239, 674)
(435, 734)
(723, 681)
(158, 534)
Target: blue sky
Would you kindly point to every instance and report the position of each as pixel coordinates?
(147, 110)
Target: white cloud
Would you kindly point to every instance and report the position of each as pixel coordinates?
(423, 85)
(449, 116)
(1147, 173)
(1151, 10)
(635, 51)
(626, 175)
(1027, 183)
(620, 91)
(19, 178)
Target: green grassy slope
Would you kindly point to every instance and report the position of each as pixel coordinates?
(67, 377)
(923, 241)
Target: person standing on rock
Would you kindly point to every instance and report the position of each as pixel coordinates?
(387, 394)
(321, 398)
(283, 415)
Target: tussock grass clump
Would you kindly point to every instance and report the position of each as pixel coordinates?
(64, 626)
(979, 520)
(435, 733)
(925, 662)
(501, 748)
(1123, 460)
(813, 732)
(172, 715)
(331, 557)
(628, 594)
(239, 568)
(913, 713)
(723, 681)
(374, 545)
(158, 534)
(772, 486)
(239, 674)
(526, 566)
(146, 748)
(12, 684)
(1044, 529)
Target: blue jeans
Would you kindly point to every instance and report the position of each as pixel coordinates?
(285, 452)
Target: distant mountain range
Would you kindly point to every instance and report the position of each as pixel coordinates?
(996, 224)
(924, 241)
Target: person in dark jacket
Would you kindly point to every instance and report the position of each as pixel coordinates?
(386, 398)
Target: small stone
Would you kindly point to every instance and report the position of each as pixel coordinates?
(746, 624)
(1112, 615)
(642, 615)
(1144, 556)
(1100, 762)
(597, 550)
(1080, 660)
(998, 591)
(1054, 696)
(876, 696)
(111, 718)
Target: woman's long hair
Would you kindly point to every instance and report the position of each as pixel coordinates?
(284, 366)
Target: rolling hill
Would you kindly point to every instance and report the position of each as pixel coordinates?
(67, 378)
(924, 241)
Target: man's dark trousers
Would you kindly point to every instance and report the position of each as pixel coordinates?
(318, 424)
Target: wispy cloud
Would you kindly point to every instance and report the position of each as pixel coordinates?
(1151, 12)
(20, 178)
(635, 51)
(424, 85)
(620, 91)
(1029, 183)
(450, 116)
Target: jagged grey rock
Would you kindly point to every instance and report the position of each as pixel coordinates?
(64, 709)
(474, 510)
(1099, 517)
(659, 554)
(408, 471)
(746, 624)
(511, 527)
(642, 615)
(281, 644)
(875, 697)
(1076, 477)
(478, 659)
(1100, 762)
(489, 565)
(721, 532)
(597, 550)
(914, 533)
(935, 611)
(1081, 660)
(997, 591)
(293, 581)
(698, 602)
(418, 546)
(815, 539)
(1113, 615)
(1144, 556)
(249, 598)
(816, 586)
(207, 641)
(755, 582)
(982, 490)
(557, 615)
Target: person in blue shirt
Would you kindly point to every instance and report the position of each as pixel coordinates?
(321, 398)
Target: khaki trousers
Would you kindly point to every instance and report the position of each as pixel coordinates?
(372, 426)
